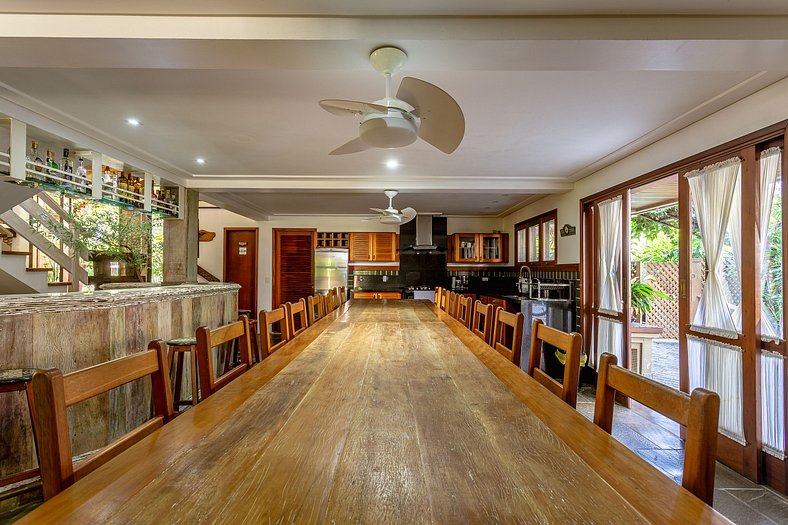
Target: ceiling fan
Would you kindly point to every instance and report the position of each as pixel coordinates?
(391, 215)
(420, 110)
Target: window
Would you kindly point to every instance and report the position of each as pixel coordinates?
(535, 240)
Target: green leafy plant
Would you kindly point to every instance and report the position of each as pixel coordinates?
(106, 231)
(643, 294)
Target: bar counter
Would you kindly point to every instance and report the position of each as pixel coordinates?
(76, 330)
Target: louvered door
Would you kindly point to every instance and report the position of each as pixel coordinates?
(360, 247)
(385, 247)
(294, 265)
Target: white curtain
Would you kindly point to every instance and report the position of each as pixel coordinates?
(771, 328)
(734, 234)
(610, 338)
(717, 367)
(609, 255)
(712, 190)
(772, 404)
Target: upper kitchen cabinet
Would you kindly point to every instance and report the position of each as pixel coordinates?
(479, 247)
(373, 247)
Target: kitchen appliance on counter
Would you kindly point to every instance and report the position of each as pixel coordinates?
(330, 268)
(420, 292)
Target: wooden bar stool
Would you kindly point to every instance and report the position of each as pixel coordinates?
(181, 346)
(18, 380)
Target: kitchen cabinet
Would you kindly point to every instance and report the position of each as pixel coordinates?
(479, 247)
(373, 247)
(377, 295)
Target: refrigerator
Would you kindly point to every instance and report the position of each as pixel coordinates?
(330, 268)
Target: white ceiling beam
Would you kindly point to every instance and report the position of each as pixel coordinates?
(376, 28)
(493, 184)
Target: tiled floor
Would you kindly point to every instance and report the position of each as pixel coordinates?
(655, 438)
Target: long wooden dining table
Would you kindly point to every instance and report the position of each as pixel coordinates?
(382, 412)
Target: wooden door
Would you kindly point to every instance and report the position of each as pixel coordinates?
(294, 265)
(240, 264)
(360, 247)
(385, 247)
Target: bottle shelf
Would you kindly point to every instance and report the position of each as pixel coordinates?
(332, 240)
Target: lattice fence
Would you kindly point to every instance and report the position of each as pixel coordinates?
(664, 312)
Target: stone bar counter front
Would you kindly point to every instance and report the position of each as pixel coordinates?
(77, 330)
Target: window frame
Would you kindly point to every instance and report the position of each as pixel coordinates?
(538, 220)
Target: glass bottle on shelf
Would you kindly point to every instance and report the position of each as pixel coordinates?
(66, 167)
(34, 159)
(81, 176)
(123, 186)
(52, 164)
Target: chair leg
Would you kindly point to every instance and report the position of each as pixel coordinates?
(176, 395)
(195, 385)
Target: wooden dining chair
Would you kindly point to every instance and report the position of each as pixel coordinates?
(507, 336)
(571, 345)
(54, 392)
(481, 321)
(342, 295)
(444, 301)
(698, 411)
(332, 300)
(296, 318)
(314, 308)
(232, 334)
(454, 304)
(438, 293)
(465, 310)
(267, 320)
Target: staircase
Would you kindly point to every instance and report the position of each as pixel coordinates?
(33, 259)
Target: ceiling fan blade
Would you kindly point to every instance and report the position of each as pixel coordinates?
(408, 214)
(378, 210)
(354, 146)
(442, 122)
(351, 107)
(369, 219)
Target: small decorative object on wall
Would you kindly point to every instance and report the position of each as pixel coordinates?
(568, 231)
(206, 236)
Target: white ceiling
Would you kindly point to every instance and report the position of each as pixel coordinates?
(547, 99)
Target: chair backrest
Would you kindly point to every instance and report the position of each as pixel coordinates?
(699, 412)
(265, 320)
(342, 295)
(314, 308)
(481, 321)
(332, 300)
(208, 339)
(465, 310)
(54, 392)
(444, 301)
(438, 293)
(571, 345)
(296, 317)
(453, 304)
(508, 334)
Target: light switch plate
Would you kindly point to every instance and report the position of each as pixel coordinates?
(485, 279)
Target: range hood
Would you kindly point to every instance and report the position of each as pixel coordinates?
(424, 233)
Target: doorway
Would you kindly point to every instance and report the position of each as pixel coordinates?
(240, 264)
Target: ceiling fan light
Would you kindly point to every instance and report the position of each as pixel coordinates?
(393, 131)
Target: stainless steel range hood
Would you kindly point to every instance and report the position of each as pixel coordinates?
(424, 233)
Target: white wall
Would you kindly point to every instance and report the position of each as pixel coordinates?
(216, 219)
(762, 109)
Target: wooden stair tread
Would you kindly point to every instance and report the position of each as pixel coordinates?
(38, 269)
(15, 252)
(60, 283)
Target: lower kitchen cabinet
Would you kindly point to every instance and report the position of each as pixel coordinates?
(377, 295)
(497, 302)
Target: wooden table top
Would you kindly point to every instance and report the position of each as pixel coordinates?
(384, 412)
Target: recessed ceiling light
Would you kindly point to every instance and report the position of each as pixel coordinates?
(199, 160)
(392, 164)
(132, 122)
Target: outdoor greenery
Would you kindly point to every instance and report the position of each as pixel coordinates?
(643, 293)
(107, 231)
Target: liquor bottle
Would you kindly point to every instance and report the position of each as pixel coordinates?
(67, 167)
(139, 189)
(123, 186)
(34, 159)
(81, 176)
(52, 164)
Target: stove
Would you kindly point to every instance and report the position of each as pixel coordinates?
(420, 292)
